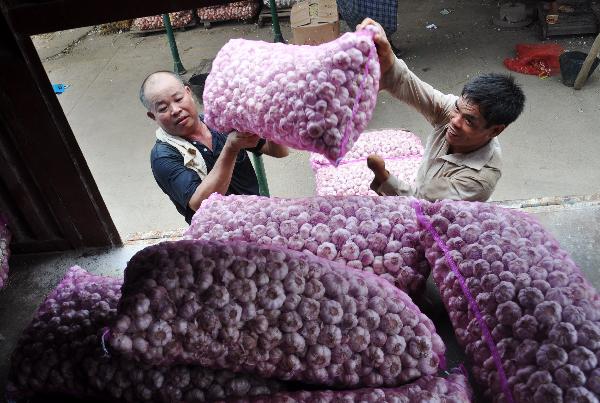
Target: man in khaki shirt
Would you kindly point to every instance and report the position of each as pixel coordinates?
(462, 159)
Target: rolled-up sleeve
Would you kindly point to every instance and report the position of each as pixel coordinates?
(467, 184)
(403, 84)
(395, 187)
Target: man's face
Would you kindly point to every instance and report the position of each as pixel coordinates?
(467, 130)
(172, 105)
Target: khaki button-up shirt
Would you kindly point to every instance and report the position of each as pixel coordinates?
(472, 176)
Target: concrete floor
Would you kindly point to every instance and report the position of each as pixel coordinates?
(551, 150)
(31, 278)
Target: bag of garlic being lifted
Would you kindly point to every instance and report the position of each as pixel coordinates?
(315, 98)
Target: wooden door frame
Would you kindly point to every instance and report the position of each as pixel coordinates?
(47, 188)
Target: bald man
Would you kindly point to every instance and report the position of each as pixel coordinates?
(189, 160)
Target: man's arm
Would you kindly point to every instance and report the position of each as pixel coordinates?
(274, 150)
(405, 85)
(267, 147)
(395, 187)
(470, 186)
(219, 178)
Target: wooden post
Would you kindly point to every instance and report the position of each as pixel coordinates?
(46, 187)
(587, 64)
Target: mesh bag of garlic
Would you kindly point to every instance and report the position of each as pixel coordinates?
(5, 237)
(315, 98)
(526, 315)
(428, 389)
(354, 179)
(273, 312)
(373, 234)
(61, 352)
(387, 143)
(239, 10)
(281, 3)
(401, 150)
(178, 19)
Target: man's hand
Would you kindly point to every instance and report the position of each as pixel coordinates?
(237, 141)
(384, 48)
(377, 164)
(219, 178)
(275, 150)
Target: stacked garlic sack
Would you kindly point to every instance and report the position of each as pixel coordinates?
(387, 143)
(354, 179)
(275, 313)
(401, 150)
(374, 234)
(237, 10)
(5, 237)
(428, 389)
(529, 320)
(280, 3)
(61, 352)
(178, 19)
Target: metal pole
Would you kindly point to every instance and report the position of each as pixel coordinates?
(178, 66)
(263, 185)
(275, 23)
(259, 167)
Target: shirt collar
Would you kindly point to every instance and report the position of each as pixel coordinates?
(476, 159)
(213, 132)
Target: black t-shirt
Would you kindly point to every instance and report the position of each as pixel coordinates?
(179, 182)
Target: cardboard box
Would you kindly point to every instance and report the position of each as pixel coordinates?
(314, 22)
